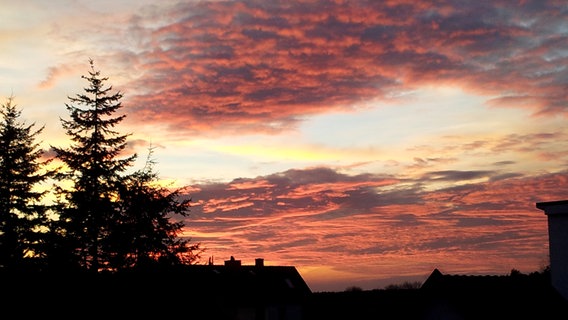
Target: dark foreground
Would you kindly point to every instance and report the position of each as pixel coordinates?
(160, 296)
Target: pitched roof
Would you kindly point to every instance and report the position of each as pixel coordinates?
(245, 282)
(482, 296)
(200, 291)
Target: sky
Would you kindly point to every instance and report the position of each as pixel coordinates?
(366, 143)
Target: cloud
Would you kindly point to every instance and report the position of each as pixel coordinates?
(322, 194)
(256, 66)
(455, 175)
(320, 216)
(54, 74)
(309, 191)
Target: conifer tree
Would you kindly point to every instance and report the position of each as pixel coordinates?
(147, 237)
(22, 215)
(93, 167)
(108, 219)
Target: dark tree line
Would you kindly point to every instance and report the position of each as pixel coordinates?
(102, 218)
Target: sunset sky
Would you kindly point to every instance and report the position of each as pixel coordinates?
(364, 142)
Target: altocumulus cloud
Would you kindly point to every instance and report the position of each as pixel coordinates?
(261, 66)
(306, 215)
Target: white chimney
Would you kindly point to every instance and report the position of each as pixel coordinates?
(557, 213)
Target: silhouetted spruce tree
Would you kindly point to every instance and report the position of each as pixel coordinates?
(88, 210)
(110, 220)
(22, 215)
(147, 237)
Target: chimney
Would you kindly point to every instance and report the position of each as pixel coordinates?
(557, 213)
(232, 262)
(259, 262)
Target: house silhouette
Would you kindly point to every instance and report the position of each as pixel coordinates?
(252, 292)
(513, 296)
(224, 292)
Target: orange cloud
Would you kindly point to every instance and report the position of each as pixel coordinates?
(54, 74)
(248, 66)
(356, 224)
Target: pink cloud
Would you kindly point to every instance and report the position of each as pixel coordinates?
(54, 74)
(380, 225)
(246, 66)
